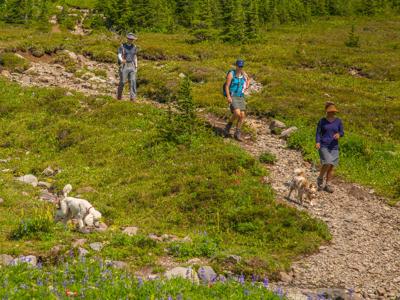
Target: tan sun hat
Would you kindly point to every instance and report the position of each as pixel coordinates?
(330, 107)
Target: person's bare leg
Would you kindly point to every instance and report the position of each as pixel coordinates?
(329, 175)
(230, 123)
(320, 180)
(240, 116)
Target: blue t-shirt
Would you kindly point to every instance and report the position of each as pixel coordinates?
(325, 132)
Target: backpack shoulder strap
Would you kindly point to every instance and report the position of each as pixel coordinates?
(123, 51)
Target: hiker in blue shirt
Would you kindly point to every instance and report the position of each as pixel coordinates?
(329, 131)
(234, 88)
(127, 59)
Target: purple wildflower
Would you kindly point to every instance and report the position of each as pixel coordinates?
(170, 298)
(241, 279)
(279, 292)
(140, 281)
(179, 297)
(309, 297)
(39, 282)
(266, 282)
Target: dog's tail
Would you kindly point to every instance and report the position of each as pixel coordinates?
(67, 189)
(299, 172)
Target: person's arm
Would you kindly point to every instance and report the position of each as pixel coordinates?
(227, 85)
(341, 129)
(136, 62)
(120, 52)
(318, 135)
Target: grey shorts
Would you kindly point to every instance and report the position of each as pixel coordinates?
(238, 103)
(329, 157)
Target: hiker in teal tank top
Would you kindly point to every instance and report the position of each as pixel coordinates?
(236, 84)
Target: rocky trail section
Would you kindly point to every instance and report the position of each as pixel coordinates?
(362, 259)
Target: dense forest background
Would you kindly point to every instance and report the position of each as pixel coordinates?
(229, 20)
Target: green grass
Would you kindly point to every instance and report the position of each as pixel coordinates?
(13, 63)
(267, 158)
(143, 180)
(91, 279)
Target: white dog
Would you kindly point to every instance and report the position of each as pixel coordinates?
(302, 186)
(74, 208)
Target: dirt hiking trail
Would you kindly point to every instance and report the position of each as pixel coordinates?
(361, 262)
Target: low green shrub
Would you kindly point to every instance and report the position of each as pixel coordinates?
(267, 158)
(201, 246)
(13, 63)
(31, 227)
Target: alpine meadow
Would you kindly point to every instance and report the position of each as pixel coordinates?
(154, 198)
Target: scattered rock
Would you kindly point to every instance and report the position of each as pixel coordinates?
(5, 73)
(47, 196)
(49, 172)
(288, 132)
(276, 124)
(68, 94)
(181, 75)
(187, 273)
(82, 252)
(101, 228)
(96, 246)
(5, 259)
(79, 243)
(1, 200)
(119, 264)
(284, 277)
(29, 259)
(71, 54)
(233, 259)
(29, 179)
(130, 230)
(194, 261)
(207, 274)
(154, 237)
(153, 277)
(44, 184)
(187, 239)
(56, 250)
(86, 189)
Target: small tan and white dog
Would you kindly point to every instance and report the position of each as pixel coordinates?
(69, 208)
(302, 186)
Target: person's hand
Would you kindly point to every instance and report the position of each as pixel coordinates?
(124, 61)
(336, 136)
(318, 146)
(229, 100)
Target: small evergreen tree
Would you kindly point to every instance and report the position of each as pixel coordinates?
(353, 41)
(252, 21)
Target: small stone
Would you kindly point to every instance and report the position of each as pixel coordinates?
(96, 246)
(47, 196)
(194, 261)
(5, 73)
(1, 200)
(29, 179)
(130, 230)
(48, 172)
(82, 252)
(56, 250)
(187, 273)
(79, 243)
(181, 75)
(234, 259)
(277, 124)
(102, 227)
(187, 239)
(284, 277)
(5, 259)
(119, 264)
(44, 184)
(155, 237)
(381, 292)
(153, 277)
(86, 189)
(207, 274)
(29, 259)
(68, 94)
(288, 132)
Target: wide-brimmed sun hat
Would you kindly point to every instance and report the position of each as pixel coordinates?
(330, 107)
(131, 36)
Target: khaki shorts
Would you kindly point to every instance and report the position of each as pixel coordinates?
(238, 103)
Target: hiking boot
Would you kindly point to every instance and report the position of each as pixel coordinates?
(227, 129)
(328, 189)
(320, 183)
(237, 135)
